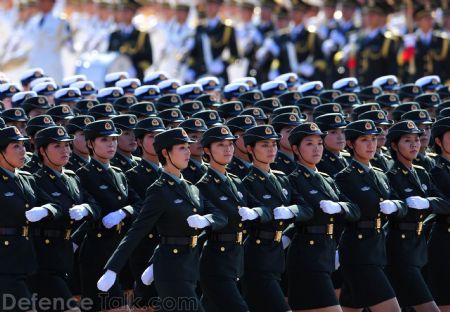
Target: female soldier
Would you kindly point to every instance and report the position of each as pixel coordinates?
(439, 243)
(406, 242)
(176, 209)
(19, 194)
(311, 257)
(263, 250)
(362, 250)
(52, 237)
(118, 203)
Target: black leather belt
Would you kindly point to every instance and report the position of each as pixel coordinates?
(375, 224)
(9, 231)
(182, 240)
(317, 229)
(65, 234)
(410, 226)
(226, 238)
(268, 235)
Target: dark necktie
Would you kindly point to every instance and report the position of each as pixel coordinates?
(275, 183)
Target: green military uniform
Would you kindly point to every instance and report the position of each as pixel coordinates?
(284, 163)
(362, 250)
(19, 193)
(169, 202)
(109, 187)
(406, 243)
(438, 246)
(264, 258)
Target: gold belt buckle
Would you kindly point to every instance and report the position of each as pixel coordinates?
(25, 231)
(67, 234)
(419, 227)
(239, 237)
(194, 241)
(378, 223)
(330, 229)
(278, 235)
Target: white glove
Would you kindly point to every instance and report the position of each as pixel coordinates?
(197, 221)
(330, 207)
(388, 207)
(337, 37)
(75, 247)
(337, 264)
(78, 212)
(189, 75)
(328, 46)
(282, 213)
(409, 40)
(113, 218)
(285, 241)
(147, 277)
(36, 214)
(217, 67)
(107, 280)
(417, 202)
(247, 213)
(306, 69)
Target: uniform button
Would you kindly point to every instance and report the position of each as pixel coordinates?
(331, 219)
(379, 215)
(421, 216)
(47, 241)
(360, 236)
(6, 243)
(258, 241)
(222, 248)
(194, 209)
(71, 221)
(27, 206)
(381, 199)
(280, 223)
(150, 235)
(311, 242)
(244, 231)
(175, 251)
(403, 236)
(448, 229)
(99, 235)
(119, 197)
(240, 224)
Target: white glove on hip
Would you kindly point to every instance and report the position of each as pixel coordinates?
(306, 69)
(330, 207)
(417, 202)
(36, 214)
(197, 221)
(247, 213)
(78, 212)
(285, 241)
(113, 218)
(282, 213)
(388, 207)
(217, 67)
(107, 280)
(147, 277)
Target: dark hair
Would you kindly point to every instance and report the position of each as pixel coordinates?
(205, 155)
(3, 147)
(161, 158)
(250, 156)
(437, 149)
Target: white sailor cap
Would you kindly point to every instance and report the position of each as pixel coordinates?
(129, 84)
(235, 89)
(9, 89)
(273, 88)
(291, 79)
(67, 95)
(209, 83)
(111, 78)
(429, 83)
(169, 86)
(109, 94)
(349, 84)
(154, 78)
(19, 97)
(388, 82)
(147, 93)
(86, 87)
(250, 81)
(37, 81)
(30, 74)
(45, 88)
(190, 91)
(67, 81)
(310, 88)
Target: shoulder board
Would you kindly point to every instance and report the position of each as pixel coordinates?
(347, 170)
(324, 174)
(432, 154)
(377, 169)
(132, 170)
(69, 172)
(159, 182)
(278, 172)
(249, 177)
(418, 167)
(116, 168)
(83, 168)
(24, 172)
(232, 175)
(345, 154)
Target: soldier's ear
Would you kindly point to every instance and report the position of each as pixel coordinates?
(438, 142)
(295, 149)
(394, 146)
(349, 144)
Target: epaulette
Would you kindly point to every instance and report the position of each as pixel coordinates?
(377, 169)
(250, 177)
(159, 182)
(431, 154)
(440, 34)
(69, 172)
(324, 174)
(232, 175)
(345, 154)
(83, 168)
(116, 168)
(419, 167)
(347, 170)
(24, 172)
(279, 172)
